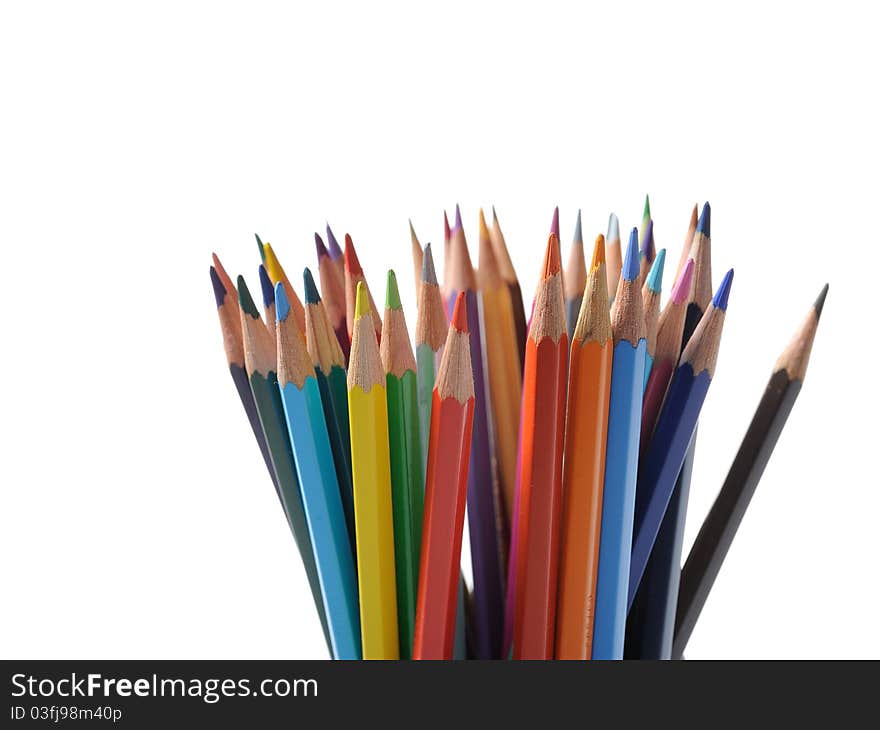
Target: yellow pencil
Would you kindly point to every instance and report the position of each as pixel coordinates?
(371, 477)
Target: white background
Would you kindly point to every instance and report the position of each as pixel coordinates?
(137, 519)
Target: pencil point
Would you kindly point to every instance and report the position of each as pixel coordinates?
(682, 289)
(332, 244)
(361, 302)
(429, 275)
(260, 246)
(267, 287)
(458, 224)
(392, 294)
(484, 230)
(352, 264)
(446, 232)
(282, 303)
(613, 228)
(459, 313)
(311, 291)
(719, 301)
(646, 214)
(578, 235)
(554, 224)
(245, 300)
(820, 301)
(647, 247)
(552, 264)
(704, 225)
(630, 270)
(219, 290)
(320, 248)
(655, 276)
(598, 252)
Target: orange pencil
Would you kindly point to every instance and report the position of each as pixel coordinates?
(354, 274)
(586, 428)
(452, 417)
(540, 501)
(688, 242)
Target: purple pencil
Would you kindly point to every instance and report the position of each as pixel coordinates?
(482, 502)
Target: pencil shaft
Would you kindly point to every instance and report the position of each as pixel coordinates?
(243, 386)
(304, 413)
(519, 319)
(618, 498)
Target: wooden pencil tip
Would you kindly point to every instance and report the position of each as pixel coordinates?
(320, 248)
(704, 225)
(267, 287)
(719, 301)
(484, 229)
(260, 246)
(647, 247)
(362, 301)
(332, 244)
(273, 265)
(311, 291)
(646, 213)
(598, 252)
(282, 303)
(219, 290)
(458, 223)
(820, 301)
(552, 264)
(655, 276)
(459, 313)
(554, 224)
(682, 289)
(352, 264)
(245, 300)
(392, 294)
(630, 271)
(613, 229)
(446, 232)
(578, 234)
(429, 274)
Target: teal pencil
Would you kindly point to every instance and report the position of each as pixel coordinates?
(329, 362)
(304, 413)
(621, 459)
(651, 307)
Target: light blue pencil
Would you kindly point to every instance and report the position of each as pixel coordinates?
(319, 486)
(651, 308)
(621, 459)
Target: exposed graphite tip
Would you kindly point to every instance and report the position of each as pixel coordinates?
(655, 276)
(598, 252)
(459, 313)
(704, 225)
(332, 244)
(219, 290)
(362, 301)
(311, 291)
(266, 287)
(245, 300)
(282, 303)
(552, 264)
(352, 264)
(320, 248)
(719, 301)
(429, 275)
(820, 301)
(578, 235)
(613, 228)
(554, 224)
(682, 289)
(630, 271)
(392, 294)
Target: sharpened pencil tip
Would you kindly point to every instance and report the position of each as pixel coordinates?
(361, 302)
(630, 270)
(647, 246)
(459, 313)
(552, 264)
(646, 213)
(655, 276)
(320, 248)
(719, 301)
(332, 244)
(311, 291)
(282, 303)
(554, 224)
(820, 301)
(704, 225)
(613, 229)
(578, 235)
(446, 232)
(392, 293)
(458, 223)
(598, 252)
(352, 264)
(682, 289)
(245, 300)
(267, 287)
(219, 290)
(429, 274)
(260, 246)
(484, 229)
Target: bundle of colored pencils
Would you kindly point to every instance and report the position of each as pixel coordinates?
(566, 436)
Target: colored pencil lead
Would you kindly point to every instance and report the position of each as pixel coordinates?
(688, 241)
(354, 275)
(276, 274)
(458, 223)
(575, 278)
(268, 290)
(554, 224)
(260, 246)
(320, 248)
(655, 277)
(333, 245)
(613, 257)
(651, 308)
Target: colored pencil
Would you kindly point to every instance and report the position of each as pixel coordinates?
(688, 241)
(276, 274)
(268, 290)
(307, 429)
(674, 430)
(260, 246)
(333, 288)
(260, 363)
(336, 254)
(575, 278)
(618, 498)
(613, 259)
(508, 273)
(407, 480)
(354, 275)
(417, 255)
(502, 363)
(646, 217)
(226, 298)
(647, 252)
(651, 618)
(554, 230)
(447, 237)
(371, 477)
(670, 328)
(651, 306)
(721, 524)
(482, 500)
(329, 365)
(543, 416)
(452, 416)
(586, 429)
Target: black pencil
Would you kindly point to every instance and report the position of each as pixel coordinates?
(720, 526)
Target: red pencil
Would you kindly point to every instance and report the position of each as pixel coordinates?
(452, 416)
(539, 518)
